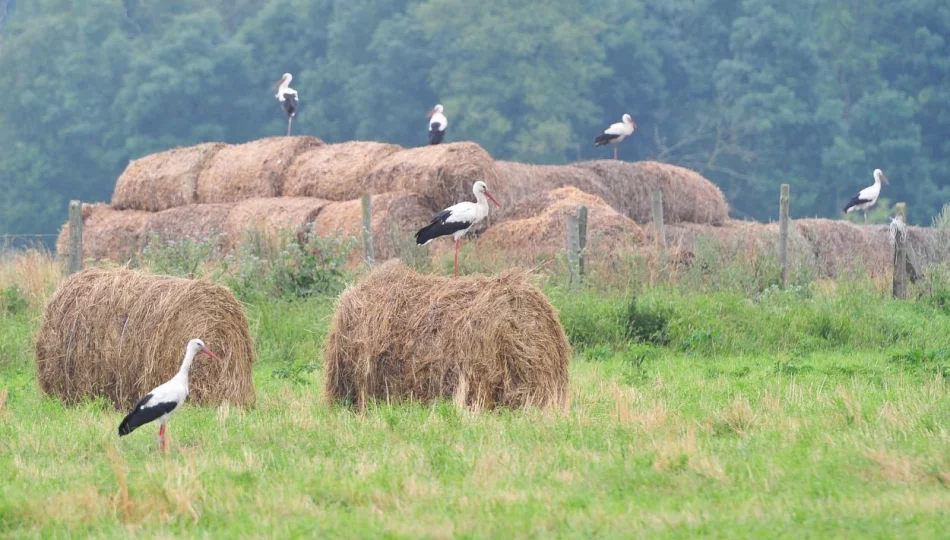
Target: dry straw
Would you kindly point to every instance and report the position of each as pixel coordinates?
(335, 171)
(163, 180)
(443, 174)
(482, 341)
(196, 221)
(119, 333)
(273, 217)
(537, 227)
(249, 170)
(107, 234)
(396, 217)
(687, 196)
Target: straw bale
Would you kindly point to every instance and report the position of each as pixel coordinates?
(538, 227)
(195, 221)
(839, 246)
(163, 180)
(107, 234)
(521, 182)
(687, 196)
(119, 333)
(396, 218)
(483, 341)
(335, 171)
(273, 217)
(442, 174)
(249, 170)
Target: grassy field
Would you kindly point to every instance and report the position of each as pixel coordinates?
(821, 411)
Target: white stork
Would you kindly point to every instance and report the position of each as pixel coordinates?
(437, 124)
(616, 133)
(287, 97)
(457, 220)
(867, 196)
(165, 399)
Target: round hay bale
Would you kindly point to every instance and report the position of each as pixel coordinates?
(396, 218)
(272, 217)
(483, 341)
(840, 246)
(334, 171)
(443, 174)
(119, 333)
(195, 221)
(163, 180)
(520, 182)
(249, 170)
(541, 229)
(687, 196)
(107, 234)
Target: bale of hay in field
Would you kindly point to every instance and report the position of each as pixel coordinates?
(273, 217)
(249, 170)
(521, 182)
(119, 333)
(537, 227)
(840, 246)
(687, 196)
(483, 341)
(107, 234)
(163, 180)
(194, 221)
(335, 171)
(443, 174)
(396, 218)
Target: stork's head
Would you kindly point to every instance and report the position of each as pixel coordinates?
(196, 346)
(481, 188)
(879, 176)
(627, 119)
(435, 110)
(284, 80)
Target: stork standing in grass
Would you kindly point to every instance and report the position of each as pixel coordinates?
(458, 219)
(616, 133)
(867, 196)
(437, 124)
(287, 97)
(161, 402)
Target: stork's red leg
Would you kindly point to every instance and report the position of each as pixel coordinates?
(161, 438)
(457, 257)
(615, 152)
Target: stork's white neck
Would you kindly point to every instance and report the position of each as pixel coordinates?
(186, 364)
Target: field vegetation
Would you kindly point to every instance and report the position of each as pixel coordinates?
(703, 401)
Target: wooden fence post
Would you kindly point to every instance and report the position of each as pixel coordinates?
(368, 254)
(783, 233)
(573, 248)
(75, 236)
(900, 251)
(581, 241)
(657, 203)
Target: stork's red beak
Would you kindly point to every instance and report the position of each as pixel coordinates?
(276, 84)
(430, 113)
(209, 353)
(489, 195)
(885, 179)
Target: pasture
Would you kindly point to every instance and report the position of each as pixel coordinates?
(698, 407)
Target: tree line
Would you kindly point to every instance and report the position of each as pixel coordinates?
(751, 93)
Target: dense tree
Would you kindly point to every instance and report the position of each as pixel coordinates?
(751, 93)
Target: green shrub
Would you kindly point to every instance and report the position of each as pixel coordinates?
(13, 301)
(645, 324)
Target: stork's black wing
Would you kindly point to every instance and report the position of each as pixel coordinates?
(144, 412)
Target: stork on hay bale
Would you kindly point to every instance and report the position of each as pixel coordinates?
(481, 341)
(120, 333)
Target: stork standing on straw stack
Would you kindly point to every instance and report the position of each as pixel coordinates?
(616, 133)
(287, 97)
(458, 219)
(437, 124)
(165, 399)
(867, 196)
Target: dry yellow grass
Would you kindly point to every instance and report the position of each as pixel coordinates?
(35, 272)
(119, 333)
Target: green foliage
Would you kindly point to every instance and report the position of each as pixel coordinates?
(179, 257)
(748, 92)
(590, 318)
(646, 324)
(13, 301)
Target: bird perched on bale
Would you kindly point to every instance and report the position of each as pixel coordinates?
(165, 399)
(437, 124)
(458, 219)
(287, 97)
(867, 196)
(616, 133)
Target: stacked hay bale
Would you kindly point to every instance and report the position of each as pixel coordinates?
(335, 172)
(120, 333)
(481, 341)
(107, 233)
(272, 218)
(163, 180)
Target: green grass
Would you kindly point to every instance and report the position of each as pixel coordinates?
(786, 414)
